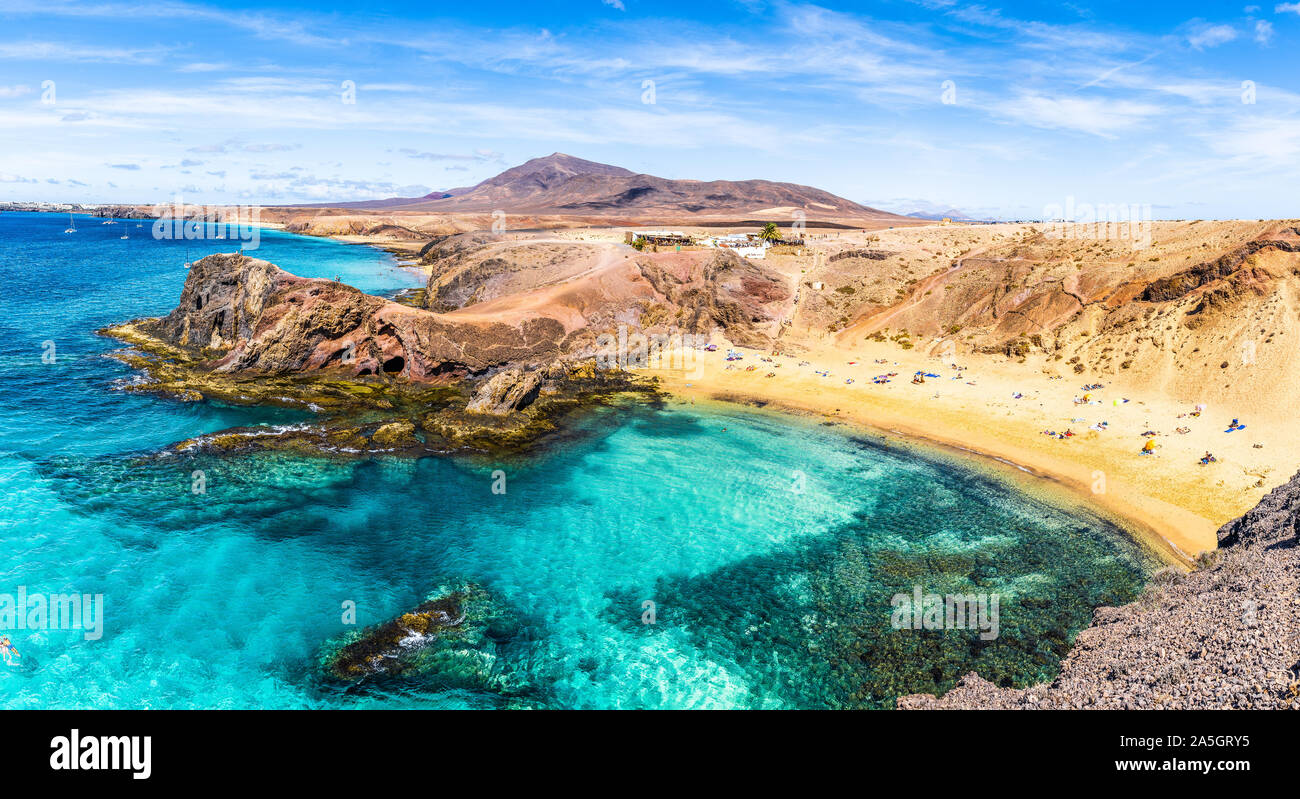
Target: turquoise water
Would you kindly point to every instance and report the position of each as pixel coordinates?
(769, 547)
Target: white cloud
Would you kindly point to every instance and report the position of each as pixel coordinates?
(58, 51)
(477, 155)
(1203, 35)
(1094, 115)
(203, 67)
(1263, 31)
(1265, 142)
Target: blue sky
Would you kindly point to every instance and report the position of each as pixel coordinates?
(1106, 102)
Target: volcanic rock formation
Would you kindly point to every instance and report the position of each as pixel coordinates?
(250, 315)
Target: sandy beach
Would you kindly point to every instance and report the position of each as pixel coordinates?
(1169, 495)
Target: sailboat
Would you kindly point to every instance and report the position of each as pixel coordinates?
(187, 258)
(72, 225)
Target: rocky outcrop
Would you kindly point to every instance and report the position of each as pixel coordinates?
(123, 212)
(724, 291)
(1225, 636)
(476, 267)
(461, 637)
(1189, 280)
(244, 314)
(379, 650)
(364, 416)
(387, 378)
(505, 392)
(1274, 523)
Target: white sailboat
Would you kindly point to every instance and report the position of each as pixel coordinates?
(72, 225)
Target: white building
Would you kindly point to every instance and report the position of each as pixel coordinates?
(746, 245)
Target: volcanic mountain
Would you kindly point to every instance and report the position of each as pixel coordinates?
(564, 185)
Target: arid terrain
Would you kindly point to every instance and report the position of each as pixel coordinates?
(1147, 370)
(1201, 317)
(1066, 349)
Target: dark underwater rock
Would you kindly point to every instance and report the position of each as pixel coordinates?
(460, 637)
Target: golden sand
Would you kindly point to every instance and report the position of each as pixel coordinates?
(1169, 497)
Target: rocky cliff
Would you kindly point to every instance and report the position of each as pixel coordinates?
(1226, 636)
(244, 314)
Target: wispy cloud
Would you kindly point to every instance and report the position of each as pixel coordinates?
(1094, 115)
(478, 155)
(57, 51)
(1202, 35)
(847, 97)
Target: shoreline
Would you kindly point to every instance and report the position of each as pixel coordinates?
(1145, 528)
(1162, 503)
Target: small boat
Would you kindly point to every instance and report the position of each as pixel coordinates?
(108, 222)
(72, 225)
(125, 237)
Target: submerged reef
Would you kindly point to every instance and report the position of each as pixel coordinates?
(1226, 636)
(813, 623)
(460, 637)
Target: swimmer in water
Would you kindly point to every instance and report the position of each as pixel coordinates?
(7, 650)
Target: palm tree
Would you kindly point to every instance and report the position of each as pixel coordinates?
(770, 232)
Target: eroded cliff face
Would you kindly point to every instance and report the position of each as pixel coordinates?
(244, 314)
(1206, 312)
(717, 289)
(241, 314)
(596, 288)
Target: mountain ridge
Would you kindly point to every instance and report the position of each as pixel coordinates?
(563, 184)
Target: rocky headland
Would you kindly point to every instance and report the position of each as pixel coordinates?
(380, 376)
(384, 376)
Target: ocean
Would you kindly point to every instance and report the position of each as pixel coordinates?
(659, 556)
